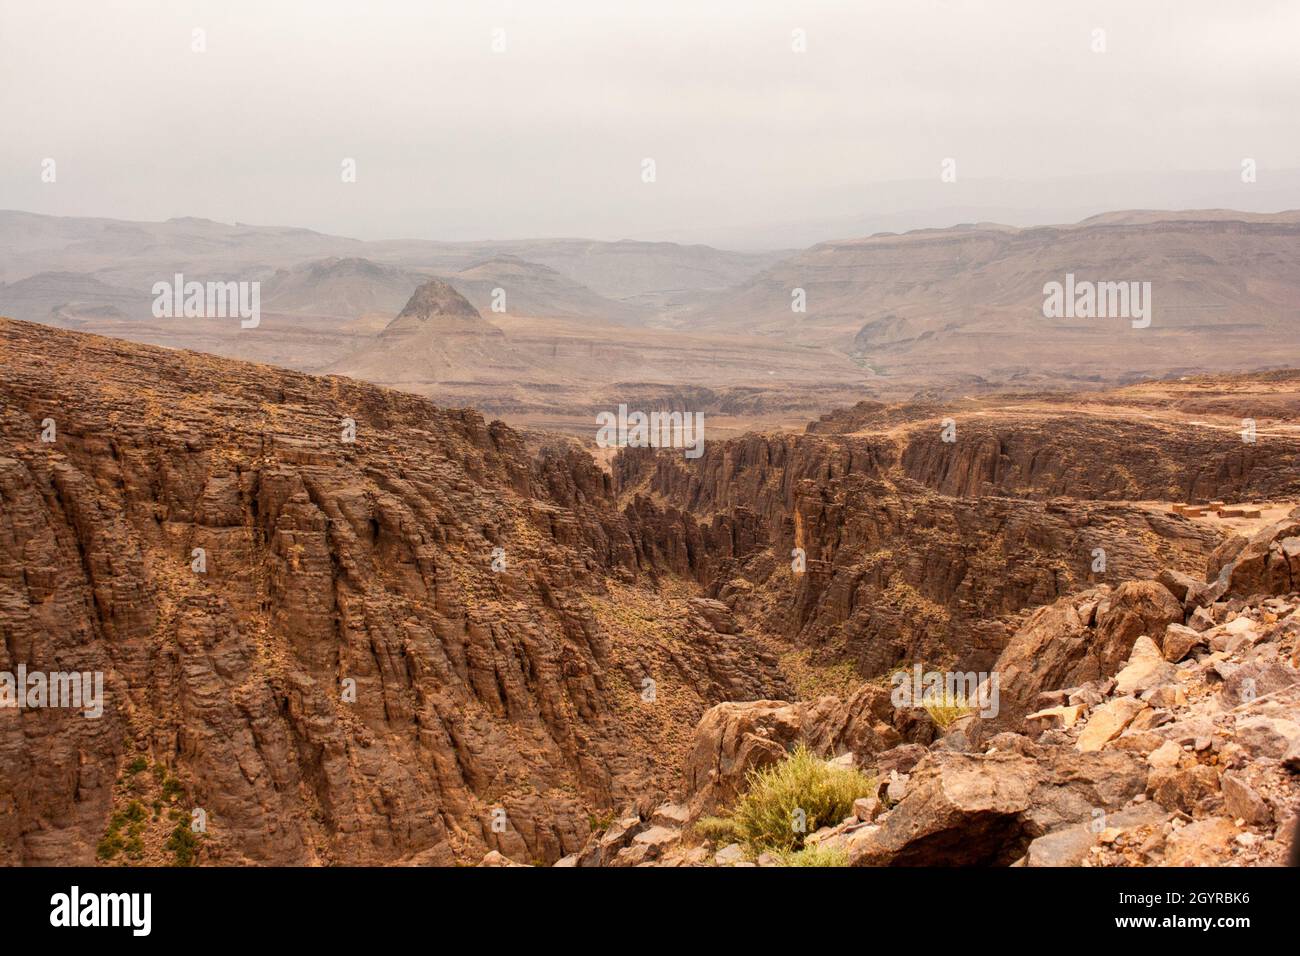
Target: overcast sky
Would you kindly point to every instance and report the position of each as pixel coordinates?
(454, 140)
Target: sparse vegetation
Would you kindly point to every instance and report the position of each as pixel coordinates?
(171, 789)
(946, 709)
(789, 800)
(183, 844)
(815, 855)
(717, 829)
(110, 845)
(132, 819)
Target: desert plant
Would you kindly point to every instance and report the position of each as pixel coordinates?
(183, 844)
(110, 845)
(815, 855)
(946, 708)
(788, 800)
(717, 829)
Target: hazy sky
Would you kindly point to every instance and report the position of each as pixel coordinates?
(454, 140)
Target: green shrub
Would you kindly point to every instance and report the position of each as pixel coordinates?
(946, 708)
(815, 855)
(183, 844)
(717, 829)
(135, 847)
(138, 765)
(110, 846)
(802, 789)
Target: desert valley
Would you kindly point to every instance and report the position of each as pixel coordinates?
(364, 588)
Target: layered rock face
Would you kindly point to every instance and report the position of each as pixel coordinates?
(893, 570)
(349, 626)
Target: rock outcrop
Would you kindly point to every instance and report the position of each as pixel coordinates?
(349, 626)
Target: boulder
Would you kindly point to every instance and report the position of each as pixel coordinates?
(648, 845)
(1242, 801)
(1224, 555)
(1177, 582)
(1265, 736)
(1070, 845)
(899, 759)
(1107, 722)
(1075, 785)
(1053, 718)
(1206, 842)
(960, 810)
(1188, 789)
(1146, 668)
(867, 809)
(1056, 649)
(1179, 641)
(601, 848)
(729, 855)
(1254, 679)
(732, 739)
(1136, 608)
(986, 809)
(1263, 565)
(670, 815)
(1166, 755)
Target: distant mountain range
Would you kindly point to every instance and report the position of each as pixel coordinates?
(939, 310)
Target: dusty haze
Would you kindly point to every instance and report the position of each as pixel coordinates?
(755, 145)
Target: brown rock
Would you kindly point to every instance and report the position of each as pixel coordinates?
(731, 740)
(1206, 842)
(1179, 641)
(960, 809)
(1242, 801)
(1055, 649)
(1146, 668)
(1183, 788)
(1107, 722)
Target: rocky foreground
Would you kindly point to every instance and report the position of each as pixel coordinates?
(1152, 724)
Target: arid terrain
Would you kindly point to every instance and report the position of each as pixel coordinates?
(418, 635)
(586, 325)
